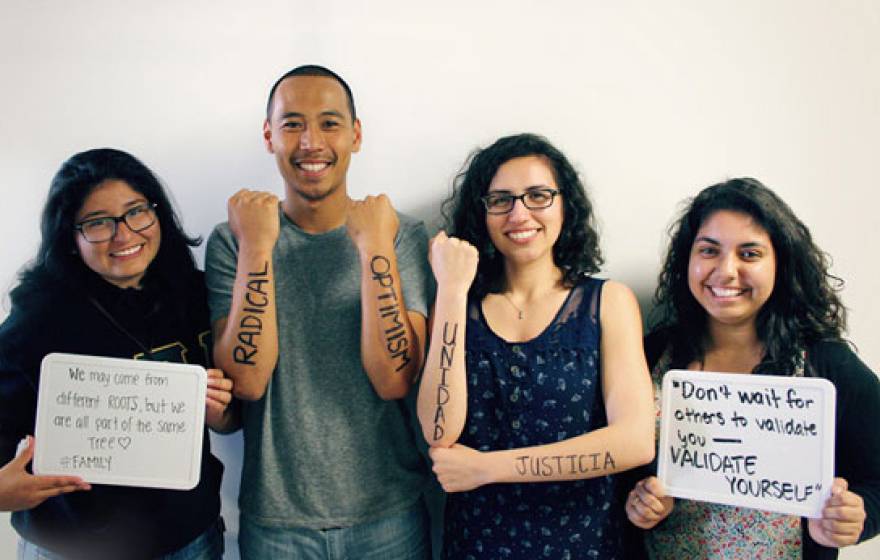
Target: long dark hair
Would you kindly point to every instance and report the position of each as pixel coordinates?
(576, 252)
(804, 306)
(57, 263)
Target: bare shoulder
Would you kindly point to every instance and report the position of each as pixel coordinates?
(617, 296)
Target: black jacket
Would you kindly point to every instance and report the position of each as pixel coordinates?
(107, 521)
(857, 437)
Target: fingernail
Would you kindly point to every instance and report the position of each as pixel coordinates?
(22, 445)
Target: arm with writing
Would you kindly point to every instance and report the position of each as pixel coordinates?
(626, 442)
(391, 337)
(442, 401)
(246, 341)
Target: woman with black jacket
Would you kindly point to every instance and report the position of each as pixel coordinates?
(744, 289)
(114, 276)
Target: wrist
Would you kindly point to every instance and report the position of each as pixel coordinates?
(257, 250)
(449, 295)
(368, 249)
(495, 467)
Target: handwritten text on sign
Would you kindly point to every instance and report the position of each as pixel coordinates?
(757, 441)
(125, 422)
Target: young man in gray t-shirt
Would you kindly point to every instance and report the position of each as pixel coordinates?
(318, 306)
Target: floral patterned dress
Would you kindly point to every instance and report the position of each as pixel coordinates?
(532, 393)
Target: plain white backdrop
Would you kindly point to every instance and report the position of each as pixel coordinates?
(651, 100)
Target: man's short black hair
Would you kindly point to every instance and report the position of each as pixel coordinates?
(312, 70)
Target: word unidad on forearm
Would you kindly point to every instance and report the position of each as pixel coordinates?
(395, 336)
(446, 353)
(551, 465)
(256, 300)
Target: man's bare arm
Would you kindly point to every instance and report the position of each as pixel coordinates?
(246, 341)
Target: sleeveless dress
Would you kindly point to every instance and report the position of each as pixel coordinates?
(533, 393)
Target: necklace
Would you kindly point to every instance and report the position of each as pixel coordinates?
(515, 306)
(148, 354)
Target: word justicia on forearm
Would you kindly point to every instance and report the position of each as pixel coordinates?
(256, 300)
(396, 341)
(447, 350)
(552, 465)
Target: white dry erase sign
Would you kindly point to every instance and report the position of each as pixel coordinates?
(123, 422)
(756, 441)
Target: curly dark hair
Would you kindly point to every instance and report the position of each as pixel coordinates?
(576, 252)
(57, 262)
(803, 308)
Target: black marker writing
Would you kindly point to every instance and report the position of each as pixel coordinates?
(776, 489)
(791, 426)
(714, 462)
(551, 465)
(396, 341)
(447, 350)
(256, 299)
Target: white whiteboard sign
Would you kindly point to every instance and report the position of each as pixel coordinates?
(756, 441)
(124, 422)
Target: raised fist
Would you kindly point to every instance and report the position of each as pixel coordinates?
(372, 223)
(253, 218)
(454, 262)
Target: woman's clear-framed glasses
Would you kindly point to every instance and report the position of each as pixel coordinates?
(533, 199)
(98, 230)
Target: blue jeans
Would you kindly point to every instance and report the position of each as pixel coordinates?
(404, 535)
(207, 546)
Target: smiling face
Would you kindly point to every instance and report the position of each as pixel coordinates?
(311, 133)
(525, 235)
(732, 268)
(124, 259)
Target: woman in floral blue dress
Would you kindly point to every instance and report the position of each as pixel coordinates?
(535, 390)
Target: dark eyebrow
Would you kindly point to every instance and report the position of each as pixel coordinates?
(746, 245)
(327, 113)
(104, 213)
(527, 189)
(291, 115)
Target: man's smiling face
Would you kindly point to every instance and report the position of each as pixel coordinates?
(312, 135)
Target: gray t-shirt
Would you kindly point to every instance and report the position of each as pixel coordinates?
(322, 449)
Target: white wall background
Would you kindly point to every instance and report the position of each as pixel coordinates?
(652, 100)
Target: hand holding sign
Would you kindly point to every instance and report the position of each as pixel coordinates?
(217, 399)
(843, 518)
(126, 422)
(21, 490)
(647, 503)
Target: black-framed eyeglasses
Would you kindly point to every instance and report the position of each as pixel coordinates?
(533, 199)
(98, 230)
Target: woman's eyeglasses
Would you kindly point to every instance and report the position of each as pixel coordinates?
(533, 199)
(102, 229)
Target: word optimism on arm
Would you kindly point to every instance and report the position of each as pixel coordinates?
(256, 300)
(396, 342)
(446, 353)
